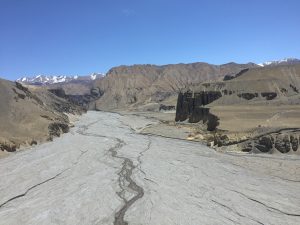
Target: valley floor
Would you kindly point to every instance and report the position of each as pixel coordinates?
(105, 172)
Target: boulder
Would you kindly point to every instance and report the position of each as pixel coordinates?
(9, 147)
(246, 146)
(282, 143)
(221, 140)
(269, 95)
(248, 96)
(294, 142)
(166, 107)
(264, 144)
(55, 129)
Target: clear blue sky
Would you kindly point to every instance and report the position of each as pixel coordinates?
(80, 37)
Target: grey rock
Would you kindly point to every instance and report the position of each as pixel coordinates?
(282, 143)
(294, 142)
(265, 144)
(56, 129)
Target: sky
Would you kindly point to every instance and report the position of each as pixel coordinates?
(72, 37)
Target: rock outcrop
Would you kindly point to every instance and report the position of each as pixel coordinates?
(190, 107)
(56, 129)
(163, 107)
(86, 101)
(247, 96)
(283, 141)
(230, 76)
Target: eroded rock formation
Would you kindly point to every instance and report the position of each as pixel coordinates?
(190, 107)
(163, 107)
(283, 141)
(85, 101)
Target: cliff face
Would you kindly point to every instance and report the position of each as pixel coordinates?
(130, 86)
(85, 101)
(190, 107)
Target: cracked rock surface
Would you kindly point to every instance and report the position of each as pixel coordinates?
(103, 172)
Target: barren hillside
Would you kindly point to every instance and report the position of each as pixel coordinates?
(28, 116)
(132, 86)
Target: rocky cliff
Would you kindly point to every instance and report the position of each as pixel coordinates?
(190, 106)
(85, 101)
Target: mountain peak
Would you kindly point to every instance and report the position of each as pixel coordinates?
(55, 79)
(285, 61)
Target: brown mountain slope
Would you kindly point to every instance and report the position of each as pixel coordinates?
(28, 116)
(72, 88)
(132, 86)
(281, 84)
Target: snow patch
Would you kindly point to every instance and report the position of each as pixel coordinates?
(277, 62)
(54, 79)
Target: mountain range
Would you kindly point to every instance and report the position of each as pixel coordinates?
(46, 80)
(139, 85)
(285, 61)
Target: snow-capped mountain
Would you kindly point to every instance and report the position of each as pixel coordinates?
(44, 80)
(285, 61)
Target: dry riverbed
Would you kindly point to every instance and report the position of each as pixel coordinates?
(105, 172)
